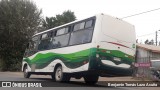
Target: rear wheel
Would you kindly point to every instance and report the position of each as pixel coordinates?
(91, 79)
(60, 76)
(26, 73)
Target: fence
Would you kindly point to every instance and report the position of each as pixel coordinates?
(144, 70)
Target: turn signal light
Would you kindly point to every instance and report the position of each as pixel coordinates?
(85, 62)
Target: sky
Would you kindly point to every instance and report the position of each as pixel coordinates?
(145, 24)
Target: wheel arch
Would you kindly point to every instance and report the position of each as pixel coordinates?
(25, 65)
(58, 64)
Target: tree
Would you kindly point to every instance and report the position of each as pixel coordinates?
(151, 42)
(19, 19)
(49, 22)
(147, 41)
(136, 40)
(65, 17)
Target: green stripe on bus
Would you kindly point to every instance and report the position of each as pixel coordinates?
(77, 59)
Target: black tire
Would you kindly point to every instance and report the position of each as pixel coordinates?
(26, 73)
(91, 79)
(59, 76)
(53, 76)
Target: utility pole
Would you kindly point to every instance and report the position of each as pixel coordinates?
(156, 37)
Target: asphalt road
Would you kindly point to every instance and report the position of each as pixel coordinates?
(73, 85)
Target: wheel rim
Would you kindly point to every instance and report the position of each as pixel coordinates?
(58, 74)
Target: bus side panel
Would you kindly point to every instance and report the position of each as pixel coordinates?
(72, 59)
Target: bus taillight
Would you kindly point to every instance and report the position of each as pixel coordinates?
(98, 46)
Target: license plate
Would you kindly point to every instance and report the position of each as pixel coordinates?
(116, 59)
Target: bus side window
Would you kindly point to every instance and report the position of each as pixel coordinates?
(60, 41)
(81, 37)
(62, 37)
(89, 24)
(45, 42)
(79, 26)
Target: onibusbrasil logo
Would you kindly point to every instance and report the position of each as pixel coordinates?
(21, 84)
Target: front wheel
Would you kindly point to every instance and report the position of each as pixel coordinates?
(26, 73)
(91, 79)
(60, 76)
